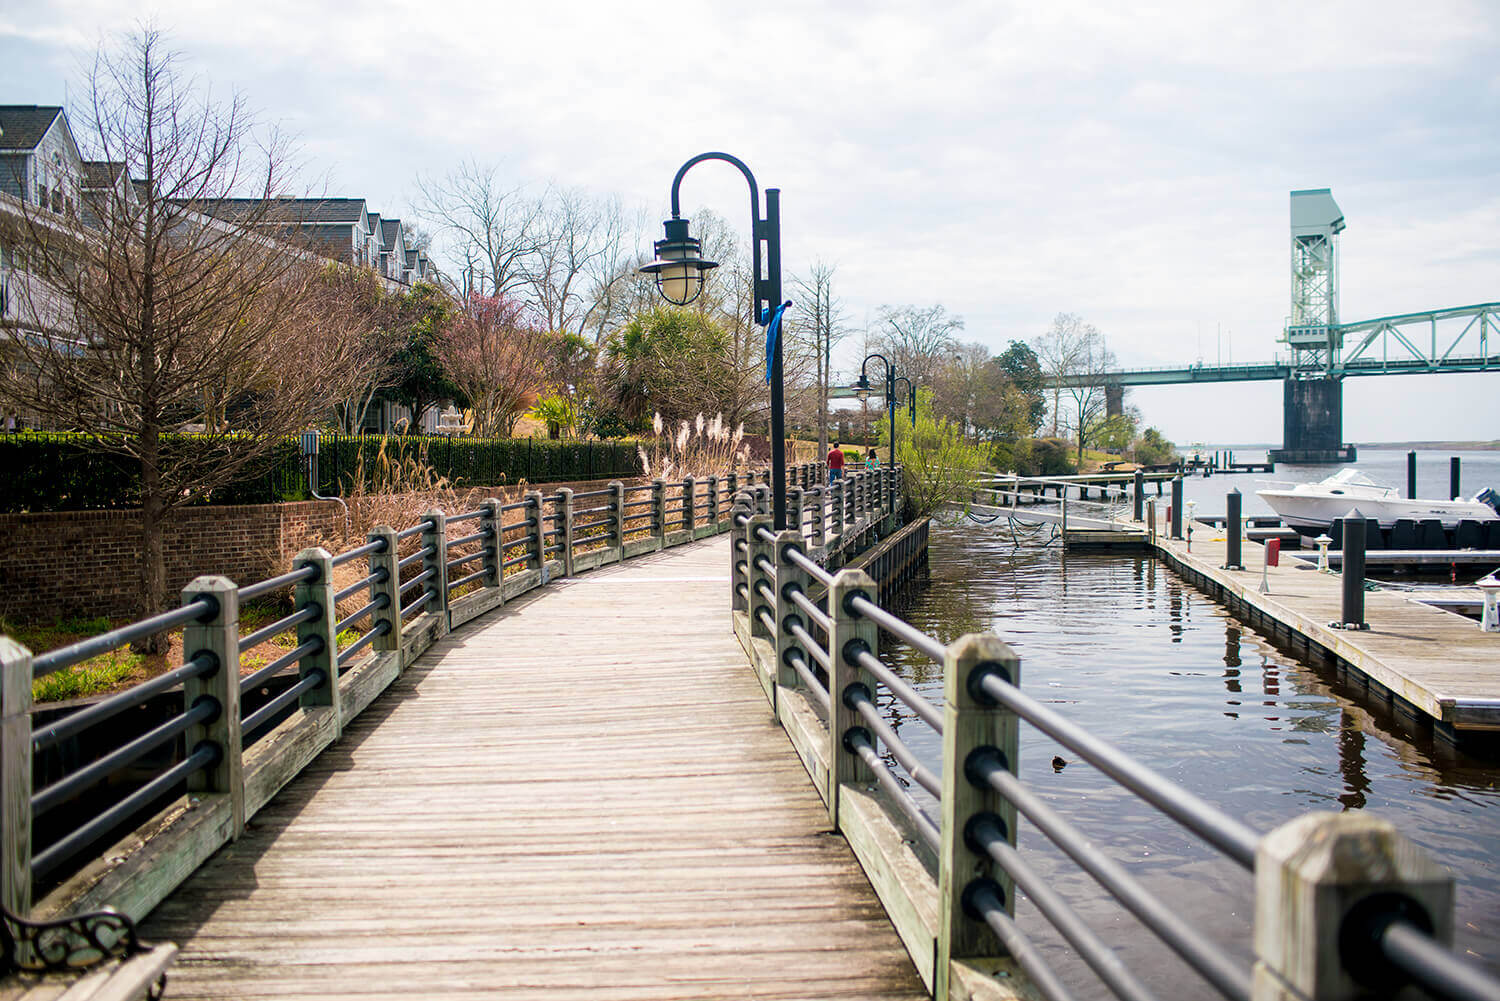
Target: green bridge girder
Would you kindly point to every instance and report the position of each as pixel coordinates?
(1418, 353)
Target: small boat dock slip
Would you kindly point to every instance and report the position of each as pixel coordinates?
(1440, 664)
(580, 795)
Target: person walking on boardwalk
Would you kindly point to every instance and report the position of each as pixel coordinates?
(872, 461)
(835, 463)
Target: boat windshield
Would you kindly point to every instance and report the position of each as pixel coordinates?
(1350, 477)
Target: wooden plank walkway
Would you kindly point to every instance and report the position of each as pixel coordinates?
(582, 795)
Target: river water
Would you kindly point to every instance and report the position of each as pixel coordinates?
(1122, 646)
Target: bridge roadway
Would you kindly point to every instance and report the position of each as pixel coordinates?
(579, 795)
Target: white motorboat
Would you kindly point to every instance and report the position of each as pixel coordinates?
(1312, 507)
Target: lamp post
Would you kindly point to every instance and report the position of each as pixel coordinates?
(911, 399)
(680, 268)
(863, 386)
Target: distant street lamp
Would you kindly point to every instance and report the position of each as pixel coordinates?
(679, 270)
(863, 386)
(911, 399)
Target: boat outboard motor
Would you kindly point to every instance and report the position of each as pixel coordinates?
(1490, 497)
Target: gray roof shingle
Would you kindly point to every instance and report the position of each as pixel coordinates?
(23, 125)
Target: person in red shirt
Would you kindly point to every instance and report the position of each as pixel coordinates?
(835, 463)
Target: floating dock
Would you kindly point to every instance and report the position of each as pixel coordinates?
(1437, 663)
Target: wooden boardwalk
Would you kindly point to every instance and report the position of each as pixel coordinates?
(581, 795)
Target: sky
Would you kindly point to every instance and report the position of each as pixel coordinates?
(1129, 163)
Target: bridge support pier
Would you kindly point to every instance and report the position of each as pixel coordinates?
(1312, 423)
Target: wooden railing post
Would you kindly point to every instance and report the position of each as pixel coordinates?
(732, 486)
(756, 549)
(219, 636)
(617, 499)
(1316, 875)
(713, 503)
(659, 511)
(850, 633)
(537, 539)
(739, 558)
(15, 777)
(689, 498)
(565, 508)
(789, 579)
(974, 729)
(794, 509)
(819, 528)
(390, 588)
(836, 508)
(435, 538)
(319, 592)
(494, 549)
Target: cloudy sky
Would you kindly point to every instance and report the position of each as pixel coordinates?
(1126, 162)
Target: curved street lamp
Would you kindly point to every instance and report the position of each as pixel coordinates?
(863, 386)
(679, 270)
(911, 399)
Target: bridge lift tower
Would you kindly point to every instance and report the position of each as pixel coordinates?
(1313, 394)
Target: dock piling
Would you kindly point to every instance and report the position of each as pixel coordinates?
(1411, 475)
(1176, 508)
(1454, 492)
(1353, 605)
(1140, 488)
(1232, 531)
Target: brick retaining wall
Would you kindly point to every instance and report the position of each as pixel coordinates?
(60, 564)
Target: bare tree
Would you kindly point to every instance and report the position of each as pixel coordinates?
(500, 361)
(916, 338)
(175, 318)
(492, 228)
(1076, 349)
(349, 307)
(825, 318)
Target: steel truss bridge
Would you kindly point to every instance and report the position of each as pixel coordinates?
(1459, 339)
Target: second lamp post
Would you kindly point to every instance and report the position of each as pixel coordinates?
(863, 386)
(679, 269)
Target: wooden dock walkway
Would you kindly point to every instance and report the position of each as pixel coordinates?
(580, 795)
(1437, 661)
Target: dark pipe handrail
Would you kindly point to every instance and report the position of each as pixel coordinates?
(1438, 971)
(988, 907)
(897, 627)
(379, 601)
(204, 756)
(368, 549)
(858, 742)
(378, 577)
(453, 518)
(809, 680)
(812, 611)
(811, 644)
(417, 603)
(380, 629)
(55, 733)
(306, 572)
(1210, 961)
(265, 713)
(310, 647)
(94, 772)
(1230, 836)
(859, 699)
(425, 575)
(476, 537)
(459, 561)
(67, 656)
(909, 696)
(476, 575)
(415, 557)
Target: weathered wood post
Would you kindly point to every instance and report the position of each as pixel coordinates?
(617, 502)
(819, 526)
(739, 550)
(790, 578)
(659, 511)
(435, 540)
(713, 504)
(794, 501)
(537, 538)
(977, 732)
(1151, 521)
(836, 508)
(732, 486)
(220, 636)
(389, 588)
(15, 777)
(1139, 492)
(318, 593)
(1324, 883)
(757, 549)
(689, 500)
(850, 634)
(565, 508)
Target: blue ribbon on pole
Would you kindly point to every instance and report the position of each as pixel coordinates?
(771, 319)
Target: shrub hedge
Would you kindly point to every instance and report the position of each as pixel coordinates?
(46, 471)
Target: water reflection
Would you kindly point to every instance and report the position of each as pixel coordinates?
(1127, 649)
